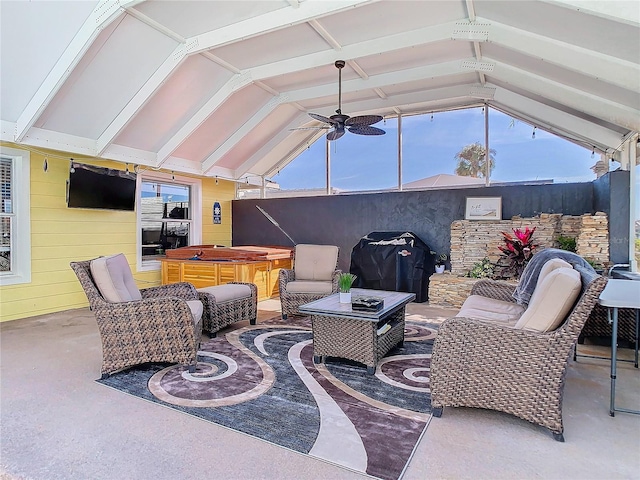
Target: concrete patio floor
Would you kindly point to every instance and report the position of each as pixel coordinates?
(58, 423)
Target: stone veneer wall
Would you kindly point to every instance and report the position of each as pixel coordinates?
(471, 241)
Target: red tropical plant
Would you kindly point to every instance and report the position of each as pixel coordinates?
(517, 251)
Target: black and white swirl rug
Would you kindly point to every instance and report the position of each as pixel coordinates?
(261, 380)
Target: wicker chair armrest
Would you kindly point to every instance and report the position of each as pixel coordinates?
(474, 351)
(335, 278)
(494, 289)
(285, 276)
(182, 290)
(164, 315)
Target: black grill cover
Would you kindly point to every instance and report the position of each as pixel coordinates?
(393, 261)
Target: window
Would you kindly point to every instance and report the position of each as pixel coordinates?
(431, 143)
(15, 226)
(168, 216)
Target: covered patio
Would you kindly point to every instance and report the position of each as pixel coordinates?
(195, 103)
(57, 422)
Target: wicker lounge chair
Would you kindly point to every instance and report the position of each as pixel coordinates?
(498, 367)
(314, 276)
(158, 328)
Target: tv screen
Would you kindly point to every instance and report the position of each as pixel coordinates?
(98, 187)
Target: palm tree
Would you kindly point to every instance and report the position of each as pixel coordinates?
(472, 161)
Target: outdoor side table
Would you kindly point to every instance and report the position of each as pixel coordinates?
(619, 294)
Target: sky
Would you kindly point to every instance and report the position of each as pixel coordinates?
(430, 144)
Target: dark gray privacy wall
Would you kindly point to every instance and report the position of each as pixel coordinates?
(612, 193)
(343, 219)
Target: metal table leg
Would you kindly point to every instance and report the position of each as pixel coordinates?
(614, 354)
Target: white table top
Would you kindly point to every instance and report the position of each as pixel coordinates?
(621, 293)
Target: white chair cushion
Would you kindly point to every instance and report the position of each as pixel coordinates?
(227, 292)
(549, 266)
(305, 286)
(315, 262)
(196, 308)
(551, 301)
(114, 279)
(490, 309)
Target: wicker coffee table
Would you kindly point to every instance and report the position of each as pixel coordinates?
(339, 331)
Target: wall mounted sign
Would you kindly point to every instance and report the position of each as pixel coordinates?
(483, 208)
(217, 213)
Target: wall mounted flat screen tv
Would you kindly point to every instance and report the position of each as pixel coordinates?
(99, 187)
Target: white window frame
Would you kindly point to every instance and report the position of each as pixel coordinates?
(21, 225)
(195, 205)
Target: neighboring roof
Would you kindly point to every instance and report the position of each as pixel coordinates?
(215, 87)
(444, 180)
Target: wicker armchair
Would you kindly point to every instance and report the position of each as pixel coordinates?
(520, 372)
(158, 328)
(314, 276)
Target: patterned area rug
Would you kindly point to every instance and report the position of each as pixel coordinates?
(261, 380)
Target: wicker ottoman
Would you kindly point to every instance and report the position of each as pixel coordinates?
(227, 304)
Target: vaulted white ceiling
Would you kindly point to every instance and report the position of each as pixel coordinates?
(216, 87)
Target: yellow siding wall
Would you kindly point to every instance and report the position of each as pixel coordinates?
(60, 235)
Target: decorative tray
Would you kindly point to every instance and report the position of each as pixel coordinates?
(367, 304)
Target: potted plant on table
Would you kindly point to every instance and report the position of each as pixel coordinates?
(345, 280)
(441, 258)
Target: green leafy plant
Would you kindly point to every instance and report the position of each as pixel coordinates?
(481, 269)
(567, 243)
(597, 266)
(441, 258)
(516, 251)
(345, 280)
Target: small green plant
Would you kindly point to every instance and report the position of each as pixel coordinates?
(345, 280)
(482, 269)
(597, 266)
(441, 258)
(567, 243)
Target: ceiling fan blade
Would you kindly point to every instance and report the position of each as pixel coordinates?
(366, 130)
(322, 118)
(335, 134)
(323, 127)
(363, 120)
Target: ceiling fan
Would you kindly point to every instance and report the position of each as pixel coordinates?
(338, 123)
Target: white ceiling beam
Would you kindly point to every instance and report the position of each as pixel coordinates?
(142, 96)
(377, 46)
(358, 69)
(555, 120)
(624, 12)
(587, 62)
(384, 79)
(403, 101)
(248, 76)
(574, 98)
(380, 93)
(272, 21)
(233, 84)
(248, 164)
(105, 12)
(326, 36)
(138, 15)
(239, 134)
(201, 43)
(221, 62)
